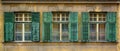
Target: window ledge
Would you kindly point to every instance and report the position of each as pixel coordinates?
(22, 41)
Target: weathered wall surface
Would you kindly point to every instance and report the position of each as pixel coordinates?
(60, 7)
(1, 27)
(118, 28)
(58, 46)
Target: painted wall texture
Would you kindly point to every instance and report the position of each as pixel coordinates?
(60, 46)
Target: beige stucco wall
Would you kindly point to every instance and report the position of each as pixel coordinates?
(60, 7)
(1, 27)
(58, 46)
(118, 28)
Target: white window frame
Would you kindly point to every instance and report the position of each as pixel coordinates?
(60, 21)
(23, 26)
(97, 25)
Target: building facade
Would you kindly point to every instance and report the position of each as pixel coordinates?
(59, 25)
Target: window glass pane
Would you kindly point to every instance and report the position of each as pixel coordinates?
(26, 19)
(16, 15)
(66, 19)
(91, 15)
(65, 33)
(63, 15)
(27, 27)
(101, 31)
(104, 19)
(100, 19)
(26, 15)
(54, 19)
(94, 19)
(30, 19)
(100, 15)
(58, 15)
(56, 32)
(27, 36)
(93, 31)
(94, 15)
(67, 15)
(18, 27)
(103, 15)
(58, 19)
(65, 27)
(18, 36)
(20, 19)
(20, 15)
(63, 19)
(54, 15)
(16, 19)
(90, 19)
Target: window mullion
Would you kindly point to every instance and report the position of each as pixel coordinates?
(23, 31)
(23, 28)
(97, 32)
(60, 27)
(23, 17)
(97, 27)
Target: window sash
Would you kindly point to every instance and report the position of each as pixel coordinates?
(60, 17)
(60, 33)
(96, 35)
(96, 17)
(21, 17)
(23, 32)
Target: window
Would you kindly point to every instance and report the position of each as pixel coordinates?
(22, 26)
(97, 26)
(60, 26)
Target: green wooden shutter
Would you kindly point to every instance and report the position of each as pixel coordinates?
(111, 27)
(85, 24)
(47, 26)
(73, 26)
(8, 26)
(35, 26)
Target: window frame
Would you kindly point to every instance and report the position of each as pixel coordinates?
(23, 22)
(60, 22)
(97, 23)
